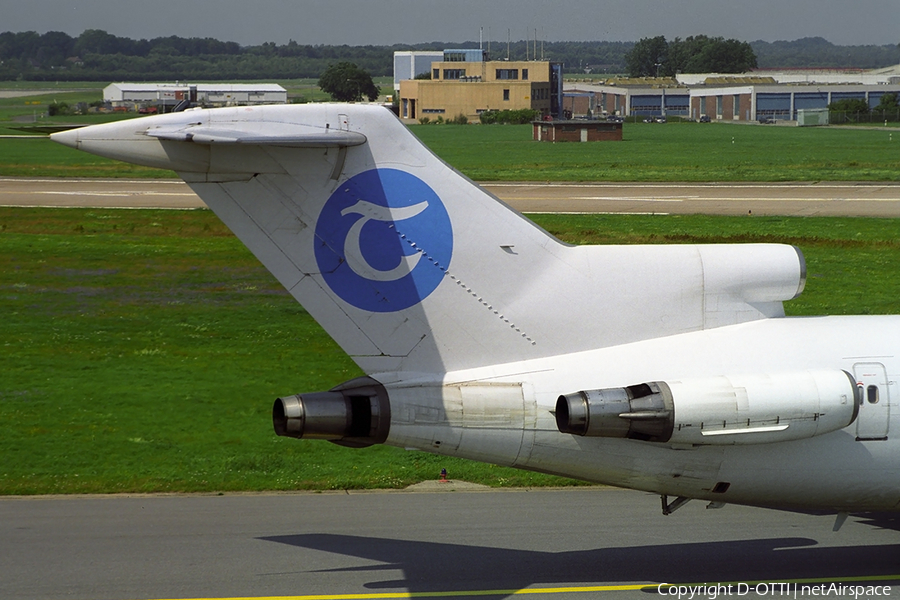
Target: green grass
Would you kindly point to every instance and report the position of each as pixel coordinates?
(51, 85)
(696, 152)
(142, 350)
(40, 157)
(31, 109)
(650, 152)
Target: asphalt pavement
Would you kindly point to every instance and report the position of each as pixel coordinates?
(566, 543)
(791, 199)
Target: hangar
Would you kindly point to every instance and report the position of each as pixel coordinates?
(777, 101)
(165, 96)
(748, 97)
(623, 96)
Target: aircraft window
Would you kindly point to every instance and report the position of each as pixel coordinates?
(872, 394)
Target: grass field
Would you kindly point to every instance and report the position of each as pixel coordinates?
(692, 152)
(142, 349)
(650, 152)
(672, 152)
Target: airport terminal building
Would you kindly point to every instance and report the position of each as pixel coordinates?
(467, 82)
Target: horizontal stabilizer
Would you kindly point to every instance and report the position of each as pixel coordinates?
(260, 134)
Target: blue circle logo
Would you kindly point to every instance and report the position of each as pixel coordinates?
(383, 240)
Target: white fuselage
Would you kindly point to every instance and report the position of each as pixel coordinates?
(503, 414)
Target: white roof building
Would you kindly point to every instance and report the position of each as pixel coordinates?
(170, 94)
(884, 76)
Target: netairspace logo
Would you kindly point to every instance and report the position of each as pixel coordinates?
(383, 240)
(772, 590)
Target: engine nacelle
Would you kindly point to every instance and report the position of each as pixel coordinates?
(744, 409)
(356, 414)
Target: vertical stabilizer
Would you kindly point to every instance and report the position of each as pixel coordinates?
(410, 266)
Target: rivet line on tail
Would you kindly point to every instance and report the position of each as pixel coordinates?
(481, 300)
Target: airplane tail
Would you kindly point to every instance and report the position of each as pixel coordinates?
(412, 267)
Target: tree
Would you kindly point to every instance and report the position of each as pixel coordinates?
(647, 57)
(345, 82)
(695, 54)
(888, 102)
(98, 42)
(682, 53)
(849, 105)
(702, 54)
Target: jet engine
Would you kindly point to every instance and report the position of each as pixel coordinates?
(745, 409)
(355, 414)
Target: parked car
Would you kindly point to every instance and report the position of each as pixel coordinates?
(767, 120)
(704, 118)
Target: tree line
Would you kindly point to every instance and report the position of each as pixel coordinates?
(97, 55)
(818, 52)
(657, 57)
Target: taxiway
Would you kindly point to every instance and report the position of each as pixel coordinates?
(794, 199)
(550, 544)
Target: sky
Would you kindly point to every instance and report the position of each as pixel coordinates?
(388, 22)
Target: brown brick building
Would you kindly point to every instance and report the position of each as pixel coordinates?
(577, 131)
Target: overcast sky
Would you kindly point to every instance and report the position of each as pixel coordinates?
(386, 22)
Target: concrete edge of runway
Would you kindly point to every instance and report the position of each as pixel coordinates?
(424, 487)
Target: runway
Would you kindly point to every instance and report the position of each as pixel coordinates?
(796, 199)
(557, 544)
